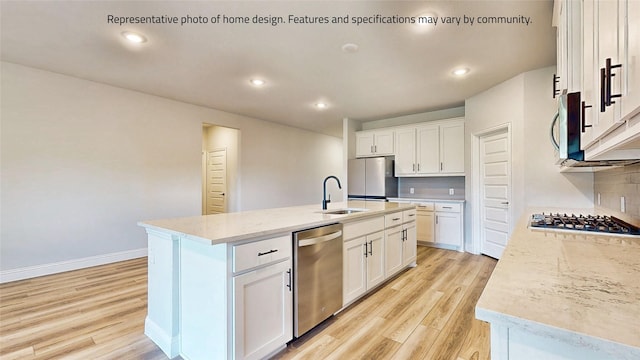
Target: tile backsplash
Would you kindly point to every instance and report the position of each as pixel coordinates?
(611, 185)
(432, 187)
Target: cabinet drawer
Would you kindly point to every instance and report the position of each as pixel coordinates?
(448, 207)
(393, 219)
(425, 206)
(247, 256)
(409, 215)
(361, 228)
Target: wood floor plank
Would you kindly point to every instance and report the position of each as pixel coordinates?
(426, 312)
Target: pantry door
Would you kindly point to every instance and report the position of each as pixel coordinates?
(495, 192)
(216, 182)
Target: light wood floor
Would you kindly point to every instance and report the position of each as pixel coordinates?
(425, 313)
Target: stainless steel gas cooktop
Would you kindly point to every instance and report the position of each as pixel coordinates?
(593, 223)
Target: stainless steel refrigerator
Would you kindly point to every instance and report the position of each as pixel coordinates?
(372, 179)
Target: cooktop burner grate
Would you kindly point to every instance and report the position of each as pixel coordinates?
(595, 223)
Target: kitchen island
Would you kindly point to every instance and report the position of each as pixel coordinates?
(206, 281)
(564, 295)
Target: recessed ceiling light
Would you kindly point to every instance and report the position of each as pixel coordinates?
(460, 71)
(321, 106)
(134, 37)
(257, 82)
(350, 47)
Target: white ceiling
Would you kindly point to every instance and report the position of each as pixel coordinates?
(399, 69)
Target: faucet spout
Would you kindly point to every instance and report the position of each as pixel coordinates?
(325, 201)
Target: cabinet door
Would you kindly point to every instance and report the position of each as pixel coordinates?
(606, 44)
(262, 311)
(425, 225)
(405, 161)
(630, 71)
(364, 143)
(448, 228)
(590, 84)
(383, 143)
(428, 151)
(354, 265)
(393, 250)
(452, 148)
(410, 244)
(375, 259)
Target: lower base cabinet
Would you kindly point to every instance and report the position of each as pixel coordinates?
(441, 225)
(363, 265)
(262, 311)
(376, 249)
(236, 300)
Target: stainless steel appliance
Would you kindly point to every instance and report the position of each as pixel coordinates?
(593, 223)
(317, 276)
(371, 179)
(566, 130)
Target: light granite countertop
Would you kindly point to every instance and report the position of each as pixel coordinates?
(231, 227)
(576, 287)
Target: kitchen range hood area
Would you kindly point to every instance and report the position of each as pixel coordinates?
(343, 181)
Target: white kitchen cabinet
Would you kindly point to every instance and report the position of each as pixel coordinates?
(567, 19)
(452, 148)
(425, 220)
(589, 79)
(610, 33)
(449, 225)
(410, 244)
(400, 241)
(374, 143)
(262, 311)
(394, 238)
(405, 160)
(235, 299)
(630, 15)
(363, 265)
(363, 259)
(431, 149)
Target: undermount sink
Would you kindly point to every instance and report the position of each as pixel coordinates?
(343, 211)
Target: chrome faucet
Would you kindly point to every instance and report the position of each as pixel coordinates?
(325, 201)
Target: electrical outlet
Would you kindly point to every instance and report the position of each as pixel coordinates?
(452, 191)
(412, 190)
(623, 208)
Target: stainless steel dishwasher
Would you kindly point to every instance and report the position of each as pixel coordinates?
(317, 276)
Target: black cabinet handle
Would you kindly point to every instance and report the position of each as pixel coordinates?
(268, 252)
(556, 80)
(608, 75)
(583, 119)
(366, 247)
(371, 247)
(289, 284)
(603, 85)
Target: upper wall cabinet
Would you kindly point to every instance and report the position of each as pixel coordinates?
(598, 52)
(568, 51)
(374, 143)
(431, 149)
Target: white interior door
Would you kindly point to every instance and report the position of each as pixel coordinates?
(495, 192)
(216, 189)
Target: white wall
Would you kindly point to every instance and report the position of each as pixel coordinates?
(82, 162)
(525, 103)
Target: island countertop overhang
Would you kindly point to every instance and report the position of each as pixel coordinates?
(233, 227)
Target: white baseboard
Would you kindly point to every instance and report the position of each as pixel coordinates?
(75, 264)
